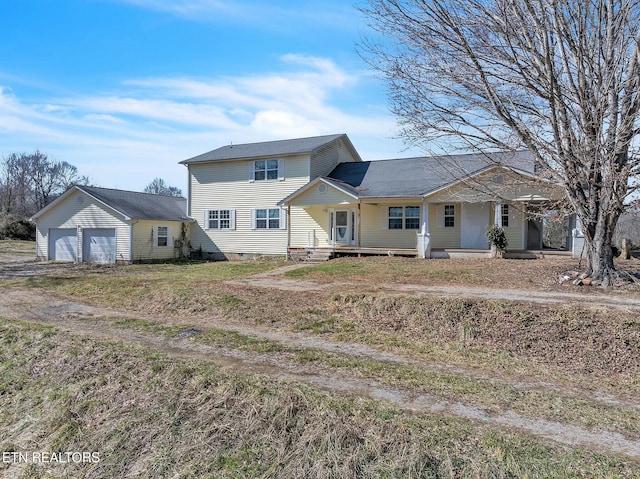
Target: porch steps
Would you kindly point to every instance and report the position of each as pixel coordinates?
(318, 256)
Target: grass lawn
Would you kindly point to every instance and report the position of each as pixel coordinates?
(152, 416)
(167, 417)
(9, 248)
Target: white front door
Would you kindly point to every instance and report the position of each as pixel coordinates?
(342, 227)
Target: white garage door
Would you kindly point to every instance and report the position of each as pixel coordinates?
(63, 244)
(99, 245)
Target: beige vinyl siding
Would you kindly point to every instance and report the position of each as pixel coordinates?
(85, 213)
(310, 219)
(331, 197)
(483, 188)
(375, 235)
(515, 232)
(226, 185)
(326, 159)
(309, 227)
(143, 240)
(441, 236)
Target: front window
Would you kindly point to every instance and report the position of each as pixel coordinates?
(268, 218)
(395, 217)
(505, 216)
(412, 218)
(407, 217)
(219, 220)
(265, 170)
(449, 216)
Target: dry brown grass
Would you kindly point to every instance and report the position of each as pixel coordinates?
(540, 274)
(151, 416)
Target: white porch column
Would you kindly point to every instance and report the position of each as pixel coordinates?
(497, 220)
(424, 238)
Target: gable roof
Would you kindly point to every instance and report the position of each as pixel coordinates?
(131, 204)
(269, 149)
(412, 177)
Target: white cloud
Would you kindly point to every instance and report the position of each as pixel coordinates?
(117, 138)
(263, 14)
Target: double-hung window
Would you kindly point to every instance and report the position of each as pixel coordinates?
(404, 217)
(505, 216)
(412, 217)
(162, 236)
(449, 216)
(220, 219)
(395, 217)
(266, 170)
(267, 219)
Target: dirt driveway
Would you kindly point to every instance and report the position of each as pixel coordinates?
(101, 323)
(270, 279)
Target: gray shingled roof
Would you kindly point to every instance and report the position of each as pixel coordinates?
(412, 177)
(141, 206)
(265, 149)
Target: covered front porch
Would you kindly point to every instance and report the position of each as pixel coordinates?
(332, 218)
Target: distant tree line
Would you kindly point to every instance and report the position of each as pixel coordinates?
(160, 187)
(28, 183)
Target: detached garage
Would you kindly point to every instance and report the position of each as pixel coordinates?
(101, 225)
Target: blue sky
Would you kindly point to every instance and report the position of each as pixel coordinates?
(125, 89)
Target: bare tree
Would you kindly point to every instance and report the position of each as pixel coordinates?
(560, 78)
(29, 182)
(159, 187)
(15, 187)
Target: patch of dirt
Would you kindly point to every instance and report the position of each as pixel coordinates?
(97, 322)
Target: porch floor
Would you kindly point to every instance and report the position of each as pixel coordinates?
(435, 253)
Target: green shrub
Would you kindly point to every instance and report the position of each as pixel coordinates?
(497, 238)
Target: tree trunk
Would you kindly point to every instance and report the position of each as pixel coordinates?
(599, 239)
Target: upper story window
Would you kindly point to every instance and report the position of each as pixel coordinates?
(449, 216)
(266, 170)
(407, 217)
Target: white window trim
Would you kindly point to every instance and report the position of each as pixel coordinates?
(232, 219)
(512, 214)
(386, 217)
(504, 215)
(156, 237)
(440, 219)
(282, 225)
(252, 171)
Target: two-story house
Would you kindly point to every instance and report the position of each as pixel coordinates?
(234, 192)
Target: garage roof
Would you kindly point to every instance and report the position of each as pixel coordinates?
(130, 204)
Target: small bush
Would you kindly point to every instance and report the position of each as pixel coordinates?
(497, 238)
(19, 230)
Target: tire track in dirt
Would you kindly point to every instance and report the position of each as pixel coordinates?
(93, 322)
(532, 296)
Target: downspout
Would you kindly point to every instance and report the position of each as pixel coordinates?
(288, 254)
(133, 222)
(359, 216)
